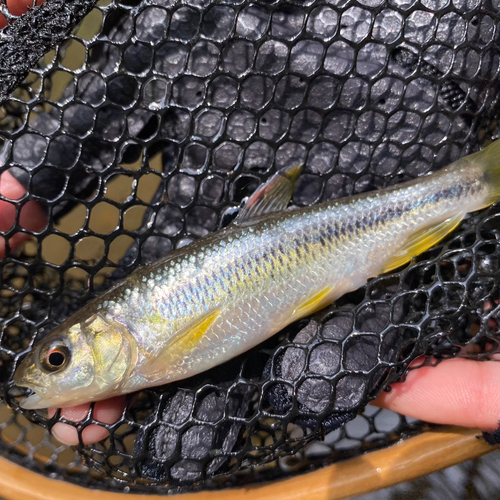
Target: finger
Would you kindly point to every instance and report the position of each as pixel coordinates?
(455, 392)
(107, 412)
(67, 434)
(17, 7)
(31, 214)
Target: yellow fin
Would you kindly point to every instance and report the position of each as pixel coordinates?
(190, 335)
(313, 303)
(184, 341)
(421, 241)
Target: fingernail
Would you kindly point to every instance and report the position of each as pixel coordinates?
(65, 433)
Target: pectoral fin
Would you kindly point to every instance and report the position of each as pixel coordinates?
(421, 241)
(183, 342)
(273, 196)
(313, 303)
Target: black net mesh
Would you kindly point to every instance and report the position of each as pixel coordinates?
(146, 128)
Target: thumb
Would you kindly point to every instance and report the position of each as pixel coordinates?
(455, 392)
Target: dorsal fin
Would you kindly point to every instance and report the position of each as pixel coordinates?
(271, 197)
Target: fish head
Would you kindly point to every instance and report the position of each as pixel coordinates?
(84, 362)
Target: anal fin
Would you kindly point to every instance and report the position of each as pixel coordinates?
(421, 241)
(313, 303)
(184, 341)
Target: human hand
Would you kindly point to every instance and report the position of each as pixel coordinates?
(460, 392)
(107, 412)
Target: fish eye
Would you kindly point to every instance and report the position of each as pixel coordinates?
(55, 357)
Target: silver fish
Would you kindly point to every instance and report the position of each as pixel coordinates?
(218, 297)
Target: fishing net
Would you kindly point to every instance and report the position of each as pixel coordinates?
(471, 480)
(147, 125)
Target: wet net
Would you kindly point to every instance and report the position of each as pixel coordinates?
(147, 125)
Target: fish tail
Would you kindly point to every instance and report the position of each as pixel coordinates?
(489, 161)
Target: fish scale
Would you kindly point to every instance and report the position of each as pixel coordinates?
(222, 295)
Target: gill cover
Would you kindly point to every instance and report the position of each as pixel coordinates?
(111, 351)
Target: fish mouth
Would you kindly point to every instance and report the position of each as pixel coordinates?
(33, 402)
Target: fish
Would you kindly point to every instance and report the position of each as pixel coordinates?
(223, 294)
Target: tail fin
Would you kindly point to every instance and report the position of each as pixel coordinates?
(489, 160)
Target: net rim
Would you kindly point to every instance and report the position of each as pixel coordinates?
(408, 459)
